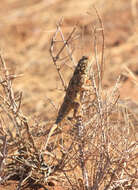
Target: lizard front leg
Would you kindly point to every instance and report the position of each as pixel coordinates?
(77, 109)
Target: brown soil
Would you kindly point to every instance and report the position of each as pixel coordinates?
(26, 28)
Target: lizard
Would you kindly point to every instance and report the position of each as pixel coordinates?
(76, 85)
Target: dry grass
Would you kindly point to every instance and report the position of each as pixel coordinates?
(95, 151)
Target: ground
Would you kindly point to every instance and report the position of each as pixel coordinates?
(25, 33)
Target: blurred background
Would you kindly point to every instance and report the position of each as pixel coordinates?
(26, 28)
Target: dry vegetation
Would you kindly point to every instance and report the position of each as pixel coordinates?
(97, 151)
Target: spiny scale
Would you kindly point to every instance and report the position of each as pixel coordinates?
(75, 87)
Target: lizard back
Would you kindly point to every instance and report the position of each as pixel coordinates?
(74, 88)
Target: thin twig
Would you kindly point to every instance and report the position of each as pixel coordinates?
(55, 58)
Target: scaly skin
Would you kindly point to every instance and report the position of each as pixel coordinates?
(73, 92)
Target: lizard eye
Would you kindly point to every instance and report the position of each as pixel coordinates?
(84, 58)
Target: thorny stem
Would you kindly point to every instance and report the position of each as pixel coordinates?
(7, 86)
(66, 44)
(80, 127)
(80, 136)
(103, 44)
(55, 58)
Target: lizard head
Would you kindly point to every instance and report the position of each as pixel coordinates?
(83, 65)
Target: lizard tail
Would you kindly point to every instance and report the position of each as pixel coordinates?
(54, 127)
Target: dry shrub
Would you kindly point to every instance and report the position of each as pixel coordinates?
(95, 151)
